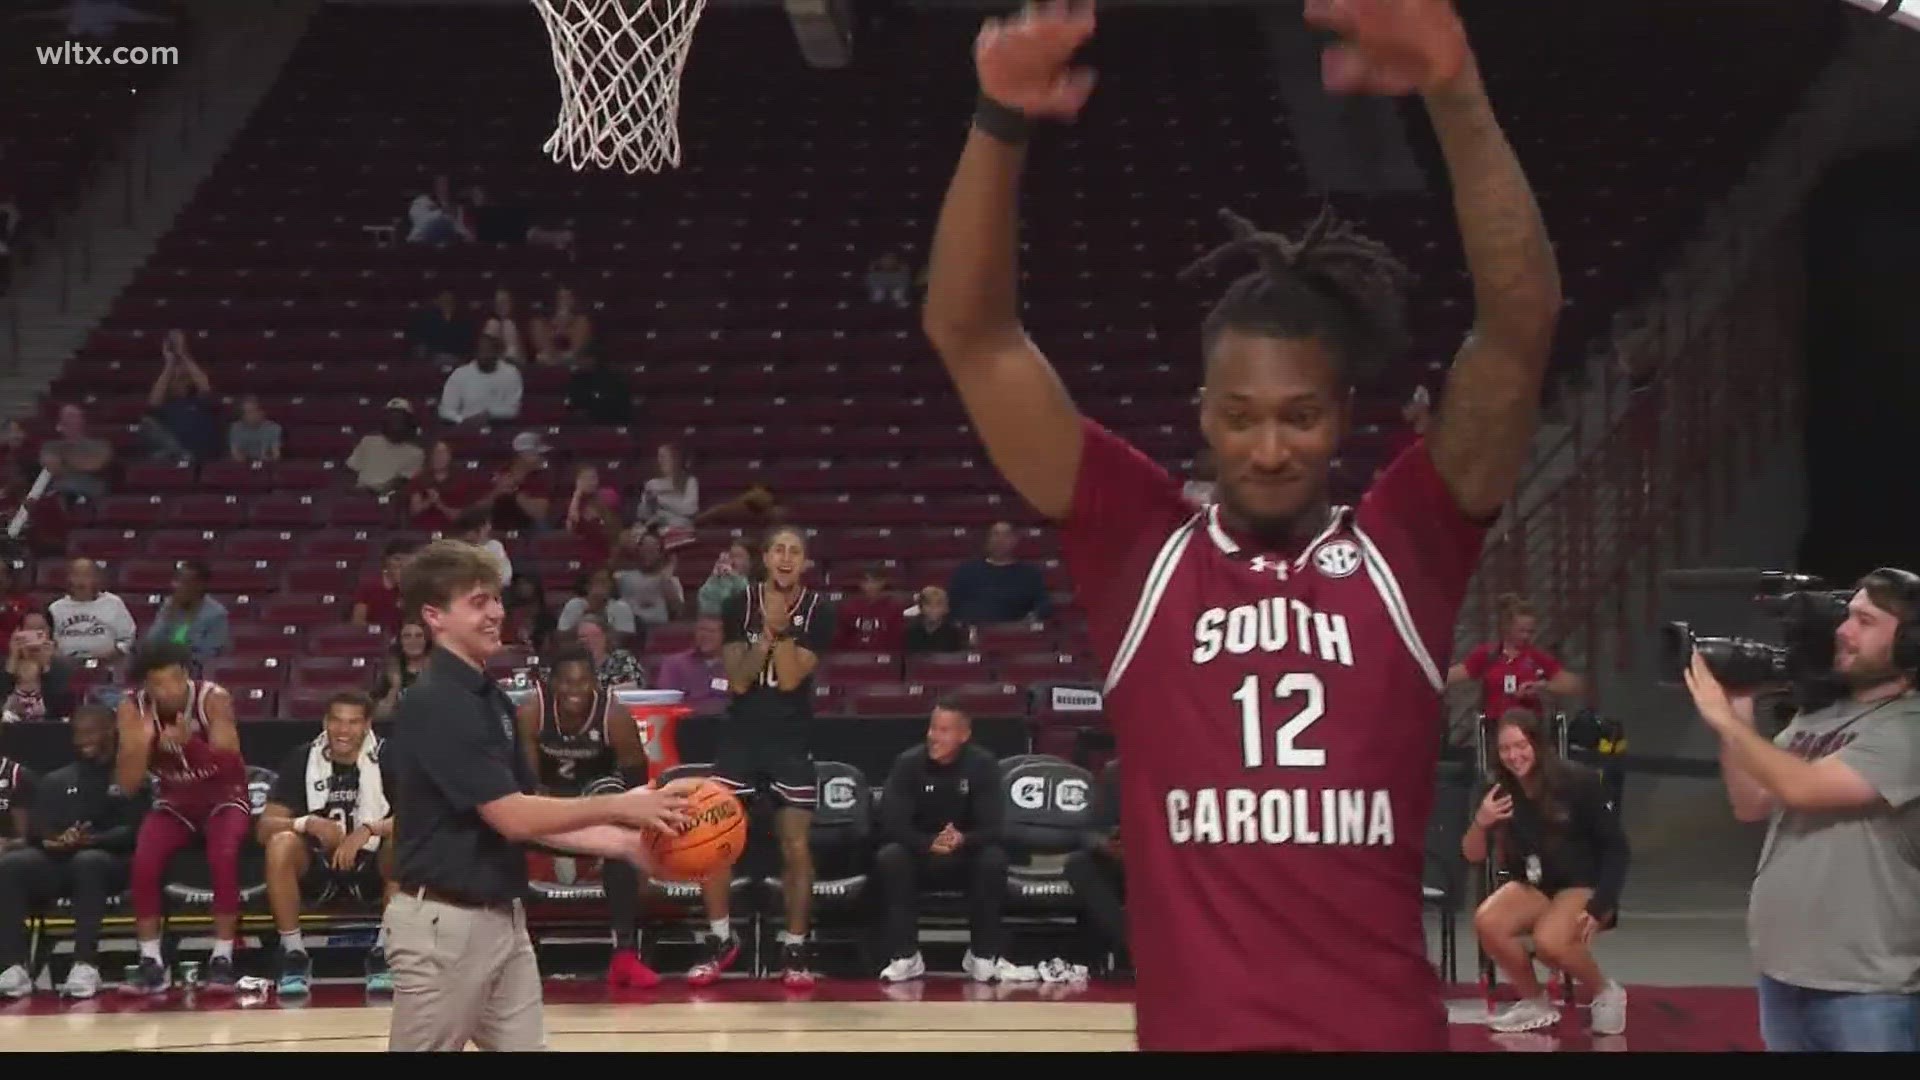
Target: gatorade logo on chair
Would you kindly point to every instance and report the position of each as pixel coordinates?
(1029, 792)
(657, 715)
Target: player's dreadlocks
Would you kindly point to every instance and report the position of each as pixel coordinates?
(1331, 282)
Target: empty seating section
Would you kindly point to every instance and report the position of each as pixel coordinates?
(733, 291)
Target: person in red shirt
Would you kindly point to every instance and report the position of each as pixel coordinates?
(377, 602)
(1513, 670)
(874, 620)
(437, 494)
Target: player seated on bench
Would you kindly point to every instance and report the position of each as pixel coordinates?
(180, 729)
(1559, 841)
(328, 833)
(941, 814)
(579, 742)
(78, 845)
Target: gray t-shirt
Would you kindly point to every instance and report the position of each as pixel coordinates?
(1836, 899)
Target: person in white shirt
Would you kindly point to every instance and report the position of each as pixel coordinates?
(483, 390)
(89, 623)
(670, 500)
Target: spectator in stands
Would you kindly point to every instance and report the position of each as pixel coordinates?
(530, 621)
(698, 672)
(325, 828)
(888, 279)
(18, 461)
(998, 588)
(931, 627)
(253, 437)
(941, 815)
(522, 493)
(406, 659)
(474, 525)
(1097, 870)
(483, 390)
(433, 218)
(438, 492)
(89, 624)
(76, 459)
(618, 668)
(558, 338)
(872, 620)
(1558, 842)
(595, 596)
(593, 515)
(1513, 671)
(377, 601)
(493, 223)
(730, 575)
(501, 334)
(648, 579)
(441, 331)
(192, 618)
(385, 459)
(79, 846)
(38, 682)
(671, 500)
(599, 392)
(181, 421)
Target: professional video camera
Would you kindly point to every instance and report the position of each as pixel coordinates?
(1807, 614)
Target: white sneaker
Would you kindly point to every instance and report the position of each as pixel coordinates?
(1610, 1010)
(1529, 1015)
(83, 981)
(1057, 970)
(998, 969)
(15, 982)
(904, 968)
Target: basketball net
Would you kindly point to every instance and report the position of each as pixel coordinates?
(619, 64)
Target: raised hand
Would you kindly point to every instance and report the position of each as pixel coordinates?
(1390, 47)
(1025, 62)
(1494, 809)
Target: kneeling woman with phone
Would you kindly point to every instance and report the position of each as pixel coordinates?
(1558, 842)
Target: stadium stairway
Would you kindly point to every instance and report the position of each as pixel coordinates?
(233, 56)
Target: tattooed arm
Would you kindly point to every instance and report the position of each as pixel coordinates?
(1485, 426)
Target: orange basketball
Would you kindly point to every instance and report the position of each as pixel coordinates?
(715, 839)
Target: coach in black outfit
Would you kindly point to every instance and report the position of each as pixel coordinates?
(79, 844)
(1097, 871)
(463, 966)
(941, 813)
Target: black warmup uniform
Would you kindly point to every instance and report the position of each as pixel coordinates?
(583, 763)
(322, 882)
(766, 742)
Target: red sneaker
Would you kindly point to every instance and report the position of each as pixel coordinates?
(629, 972)
(720, 957)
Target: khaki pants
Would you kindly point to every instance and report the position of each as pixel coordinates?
(462, 974)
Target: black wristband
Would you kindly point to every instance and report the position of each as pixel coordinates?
(1003, 122)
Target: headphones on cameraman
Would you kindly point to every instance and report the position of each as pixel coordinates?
(1906, 637)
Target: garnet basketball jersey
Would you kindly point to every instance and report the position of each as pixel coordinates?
(197, 774)
(1279, 714)
(570, 759)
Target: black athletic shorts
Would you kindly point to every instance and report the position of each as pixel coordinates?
(322, 882)
(780, 767)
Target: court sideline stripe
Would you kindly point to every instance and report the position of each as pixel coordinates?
(243, 1043)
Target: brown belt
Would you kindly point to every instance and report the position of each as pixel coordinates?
(441, 896)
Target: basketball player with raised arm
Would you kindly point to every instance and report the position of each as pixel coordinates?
(578, 744)
(1273, 661)
(773, 636)
(180, 730)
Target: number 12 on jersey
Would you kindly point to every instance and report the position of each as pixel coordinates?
(1300, 692)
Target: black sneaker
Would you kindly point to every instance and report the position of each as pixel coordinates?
(150, 977)
(720, 954)
(296, 974)
(220, 977)
(796, 966)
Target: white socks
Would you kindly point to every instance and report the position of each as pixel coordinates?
(722, 928)
(222, 949)
(150, 950)
(788, 937)
(292, 941)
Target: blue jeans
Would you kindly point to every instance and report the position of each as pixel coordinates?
(1796, 1019)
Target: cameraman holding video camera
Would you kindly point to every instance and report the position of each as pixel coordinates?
(1834, 916)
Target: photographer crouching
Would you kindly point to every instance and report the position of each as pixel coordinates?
(1834, 916)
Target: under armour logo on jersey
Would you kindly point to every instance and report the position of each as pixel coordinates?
(1261, 564)
(1337, 558)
